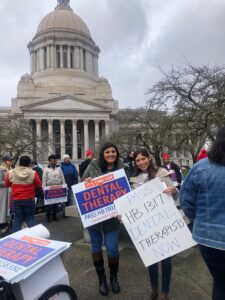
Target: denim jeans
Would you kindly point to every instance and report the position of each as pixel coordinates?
(111, 241)
(24, 212)
(215, 261)
(166, 274)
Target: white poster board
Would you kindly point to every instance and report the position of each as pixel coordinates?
(55, 194)
(95, 199)
(153, 222)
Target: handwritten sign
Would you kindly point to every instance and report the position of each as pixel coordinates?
(95, 199)
(153, 222)
(55, 194)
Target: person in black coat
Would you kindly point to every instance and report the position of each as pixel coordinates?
(174, 170)
(39, 191)
(83, 166)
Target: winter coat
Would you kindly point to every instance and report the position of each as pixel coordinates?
(70, 173)
(52, 176)
(162, 174)
(23, 181)
(39, 192)
(176, 176)
(83, 166)
(4, 195)
(202, 199)
(94, 170)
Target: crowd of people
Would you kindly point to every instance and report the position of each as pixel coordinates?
(201, 196)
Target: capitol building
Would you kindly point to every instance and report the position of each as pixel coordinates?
(68, 105)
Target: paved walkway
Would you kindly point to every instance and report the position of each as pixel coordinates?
(190, 277)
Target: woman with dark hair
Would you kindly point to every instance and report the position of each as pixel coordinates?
(203, 200)
(146, 171)
(107, 231)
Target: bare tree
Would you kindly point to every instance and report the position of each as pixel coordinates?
(194, 98)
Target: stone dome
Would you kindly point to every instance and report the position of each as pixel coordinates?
(63, 18)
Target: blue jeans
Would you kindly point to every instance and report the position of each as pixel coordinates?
(215, 261)
(111, 241)
(24, 212)
(166, 274)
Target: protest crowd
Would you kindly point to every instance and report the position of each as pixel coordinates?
(200, 196)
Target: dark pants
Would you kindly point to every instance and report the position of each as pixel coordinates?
(215, 261)
(166, 274)
(24, 212)
(51, 209)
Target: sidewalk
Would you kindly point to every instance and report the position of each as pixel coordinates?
(190, 277)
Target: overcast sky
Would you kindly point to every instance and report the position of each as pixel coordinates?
(134, 36)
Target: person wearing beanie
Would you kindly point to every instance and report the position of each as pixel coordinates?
(71, 177)
(5, 167)
(202, 154)
(83, 166)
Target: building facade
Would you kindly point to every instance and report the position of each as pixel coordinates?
(68, 105)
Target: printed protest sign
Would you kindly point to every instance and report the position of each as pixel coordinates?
(95, 199)
(55, 194)
(153, 222)
(22, 255)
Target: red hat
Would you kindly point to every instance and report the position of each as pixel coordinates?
(88, 153)
(202, 154)
(165, 156)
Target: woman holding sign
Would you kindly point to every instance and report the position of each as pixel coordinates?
(107, 231)
(146, 171)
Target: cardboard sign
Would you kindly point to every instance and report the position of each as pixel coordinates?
(153, 222)
(95, 199)
(55, 194)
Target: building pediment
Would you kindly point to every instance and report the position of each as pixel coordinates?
(65, 103)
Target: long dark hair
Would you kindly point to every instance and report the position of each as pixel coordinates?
(152, 169)
(102, 163)
(217, 152)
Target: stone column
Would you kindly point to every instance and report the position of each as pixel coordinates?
(31, 62)
(50, 137)
(61, 56)
(68, 57)
(48, 64)
(62, 137)
(96, 134)
(106, 128)
(38, 137)
(81, 59)
(96, 65)
(41, 59)
(76, 57)
(86, 137)
(53, 56)
(74, 122)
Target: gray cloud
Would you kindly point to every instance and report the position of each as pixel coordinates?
(133, 35)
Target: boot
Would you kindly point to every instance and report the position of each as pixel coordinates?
(164, 296)
(100, 270)
(154, 294)
(113, 269)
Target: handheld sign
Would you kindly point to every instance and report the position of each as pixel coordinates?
(55, 194)
(95, 199)
(153, 222)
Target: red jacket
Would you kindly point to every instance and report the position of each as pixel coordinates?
(23, 181)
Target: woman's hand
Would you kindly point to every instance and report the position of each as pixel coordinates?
(170, 190)
(118, 217)
(89, 179)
